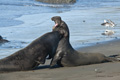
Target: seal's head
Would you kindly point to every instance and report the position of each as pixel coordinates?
(60, 26)
(57, 20)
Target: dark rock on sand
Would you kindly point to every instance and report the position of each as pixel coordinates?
(58, 1)
(3, 40)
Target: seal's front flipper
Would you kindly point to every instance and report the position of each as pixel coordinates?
(56, 58)
(54, 61)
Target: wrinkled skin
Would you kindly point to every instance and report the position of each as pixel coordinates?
(65, 54)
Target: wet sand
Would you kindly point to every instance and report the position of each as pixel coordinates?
(103, 71)
(107, 48)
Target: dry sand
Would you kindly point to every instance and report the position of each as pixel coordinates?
(103, 71)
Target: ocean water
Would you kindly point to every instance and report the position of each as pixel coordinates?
(22, 21)
(10, 9)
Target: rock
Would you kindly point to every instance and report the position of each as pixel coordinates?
(58, 1)
(3, 40)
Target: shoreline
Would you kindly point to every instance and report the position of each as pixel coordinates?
(78, 38)
(107, 48)
(34, 25)
(105, 71)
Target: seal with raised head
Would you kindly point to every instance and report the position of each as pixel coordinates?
(34, 54)
(65, 54)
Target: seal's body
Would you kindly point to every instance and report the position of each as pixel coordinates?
(32, 55)
(67, 56)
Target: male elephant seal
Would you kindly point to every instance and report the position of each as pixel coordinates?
(67, 56)
(32, 55)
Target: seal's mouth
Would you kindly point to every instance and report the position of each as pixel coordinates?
(55, 26)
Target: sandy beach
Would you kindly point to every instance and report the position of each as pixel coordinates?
(107, 48)
(103, 71)
(35, 25)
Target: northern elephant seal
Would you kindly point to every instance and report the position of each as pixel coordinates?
(34, 54)
(67, 56)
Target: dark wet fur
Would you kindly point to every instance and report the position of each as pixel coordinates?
(32, 55)
(67, 56)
